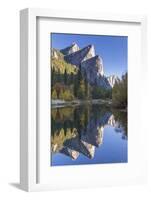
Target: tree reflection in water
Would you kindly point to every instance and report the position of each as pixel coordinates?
(79, 129)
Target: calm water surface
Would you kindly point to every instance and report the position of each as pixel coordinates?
(91, 134)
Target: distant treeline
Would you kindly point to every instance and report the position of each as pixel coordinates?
(119, 93)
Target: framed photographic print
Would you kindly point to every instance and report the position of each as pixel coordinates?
(81, 123)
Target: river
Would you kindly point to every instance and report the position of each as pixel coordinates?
(88, 134)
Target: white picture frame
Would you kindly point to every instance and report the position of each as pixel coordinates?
(29, 148)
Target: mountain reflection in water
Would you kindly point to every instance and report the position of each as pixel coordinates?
(88, 135)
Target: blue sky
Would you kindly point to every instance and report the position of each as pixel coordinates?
(112, 49)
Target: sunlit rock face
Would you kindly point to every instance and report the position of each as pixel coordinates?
(54, 54)
(91, 52)
(92, 69)
(78, 57)
(112, 79)
(71, 49)
(91, 66)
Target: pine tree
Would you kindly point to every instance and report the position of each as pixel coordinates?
(79, 76)
(119, 93)
(86, 85)
(61, 95)
(75, 87)
(54, 95)
(52, 76)
(65, 77)
(77, 82)
(71, 78)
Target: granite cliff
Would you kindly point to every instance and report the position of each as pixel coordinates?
(90, 64)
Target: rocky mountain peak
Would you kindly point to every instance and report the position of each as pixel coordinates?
(91, 65)
(91, 52)
(76, 58)
(74, 44)
(70, 49)
(112, 79)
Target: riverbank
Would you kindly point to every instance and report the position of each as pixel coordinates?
(62, 103)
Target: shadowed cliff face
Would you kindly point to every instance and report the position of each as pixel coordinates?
(80, 131)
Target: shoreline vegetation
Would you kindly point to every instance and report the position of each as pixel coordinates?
(58, 102)
(62, 103)
(62, 95)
